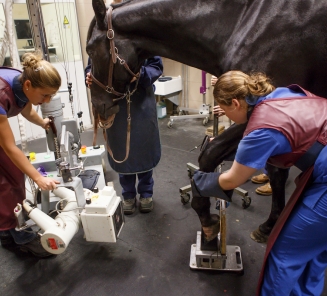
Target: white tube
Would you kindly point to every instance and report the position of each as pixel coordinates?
(55, 240)
(58, 232)
(41, 219)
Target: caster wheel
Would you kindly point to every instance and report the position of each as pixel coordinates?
(246, 202)
(185, 198)
(169, 124)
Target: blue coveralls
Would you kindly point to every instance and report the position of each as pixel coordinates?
(297, 262)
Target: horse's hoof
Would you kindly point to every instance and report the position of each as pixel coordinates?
(212, 231)
(259, 236)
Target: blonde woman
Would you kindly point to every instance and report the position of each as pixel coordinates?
(36, 84)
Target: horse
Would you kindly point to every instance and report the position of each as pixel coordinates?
(284, 39)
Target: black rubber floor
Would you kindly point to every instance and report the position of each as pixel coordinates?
(152, 254)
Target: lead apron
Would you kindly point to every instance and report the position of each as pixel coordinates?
(12, 191)
(302, 181)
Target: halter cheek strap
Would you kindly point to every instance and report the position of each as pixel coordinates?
(104, 124)
(114, 56)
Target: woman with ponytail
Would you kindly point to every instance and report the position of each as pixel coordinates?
(286, 126)
(19, 90)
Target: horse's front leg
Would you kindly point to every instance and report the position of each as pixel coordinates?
(278, 178)
(210, 222)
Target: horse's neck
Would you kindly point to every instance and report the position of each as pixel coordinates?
(189, 35)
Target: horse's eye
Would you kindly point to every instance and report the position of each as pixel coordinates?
(90, 53)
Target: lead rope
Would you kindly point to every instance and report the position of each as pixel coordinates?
(128, 134)
(98, 122)
(104, 127)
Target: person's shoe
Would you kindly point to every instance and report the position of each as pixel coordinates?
(146, 204)
(264, 190)
(7, 241)
(35, 248)
(129, 206)
(260, 179)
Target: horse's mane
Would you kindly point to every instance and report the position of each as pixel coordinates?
(115, 5)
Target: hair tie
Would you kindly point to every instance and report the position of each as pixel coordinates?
(38, 69)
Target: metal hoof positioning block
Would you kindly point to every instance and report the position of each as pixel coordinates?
(214, 260)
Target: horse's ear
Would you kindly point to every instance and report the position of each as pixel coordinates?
(99, 8)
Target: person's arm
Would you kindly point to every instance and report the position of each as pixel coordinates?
(220, 185)
(151, 71)
(31, 115)
(7, 142)
(236, 176)
(87, 70)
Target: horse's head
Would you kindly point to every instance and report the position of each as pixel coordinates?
(114, 65)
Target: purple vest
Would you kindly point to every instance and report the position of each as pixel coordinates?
(302, 120)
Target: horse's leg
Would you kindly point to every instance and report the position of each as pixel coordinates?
(278, 178)
(210, 222)
(219, 149)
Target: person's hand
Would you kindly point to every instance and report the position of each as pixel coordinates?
(46, 183)
(88, 80)
(218, 111)
(213, 80)
(46, 123)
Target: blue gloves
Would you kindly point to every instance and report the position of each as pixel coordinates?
(206, 185)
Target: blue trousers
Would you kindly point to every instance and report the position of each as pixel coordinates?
(144, 186)
(297, 262)
(20, 237)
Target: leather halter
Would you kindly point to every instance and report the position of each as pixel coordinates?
(104, 124)
(114, 56)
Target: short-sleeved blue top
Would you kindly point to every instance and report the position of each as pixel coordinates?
(11, 76)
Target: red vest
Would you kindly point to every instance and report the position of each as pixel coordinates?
(302, 120)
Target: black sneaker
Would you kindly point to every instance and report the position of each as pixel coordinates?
(7, 241)
(35, 247)
(129, 206)
(146, 204)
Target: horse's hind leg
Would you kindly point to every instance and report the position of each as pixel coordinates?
(210, 222)
(278, 178)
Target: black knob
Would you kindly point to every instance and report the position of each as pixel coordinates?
(96, 190)
(88, 200)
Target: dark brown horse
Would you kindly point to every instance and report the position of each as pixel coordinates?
(285, 39)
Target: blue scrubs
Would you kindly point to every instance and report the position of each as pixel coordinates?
(297, 262)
